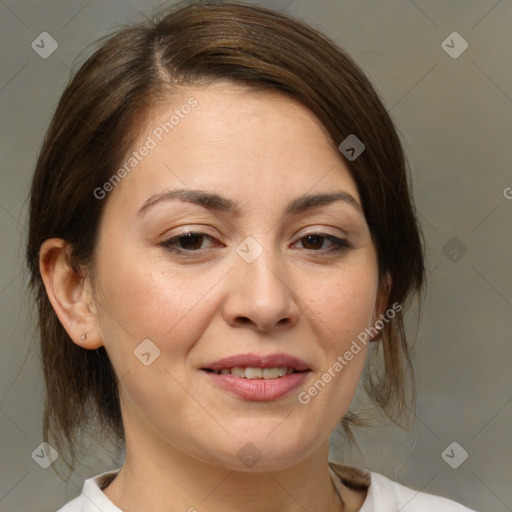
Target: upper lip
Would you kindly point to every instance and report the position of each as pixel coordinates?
(258, 361)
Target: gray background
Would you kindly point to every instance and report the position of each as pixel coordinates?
(455, 120)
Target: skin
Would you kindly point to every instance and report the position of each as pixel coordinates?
(183, 432)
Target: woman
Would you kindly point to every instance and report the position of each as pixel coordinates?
(220, 225)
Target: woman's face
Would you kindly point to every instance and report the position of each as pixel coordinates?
(270, 278)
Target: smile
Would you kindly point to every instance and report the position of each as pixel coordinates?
(253, 372)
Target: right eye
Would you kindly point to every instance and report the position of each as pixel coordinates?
(189, 242)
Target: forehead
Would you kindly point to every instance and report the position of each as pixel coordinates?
(229, 139)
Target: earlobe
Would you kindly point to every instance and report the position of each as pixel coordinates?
(69, 294)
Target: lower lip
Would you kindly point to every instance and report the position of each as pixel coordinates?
(259, 389)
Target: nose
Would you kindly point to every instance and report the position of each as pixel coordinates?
(260, 294)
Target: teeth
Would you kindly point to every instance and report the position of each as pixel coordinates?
(254, 373)
(271, 373)
(238, 372)
(251, 372)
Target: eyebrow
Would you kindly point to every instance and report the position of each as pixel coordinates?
(215, 202)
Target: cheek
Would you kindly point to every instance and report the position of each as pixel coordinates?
(344, 304)
(139, 301)
(344, 310)
(343, 307)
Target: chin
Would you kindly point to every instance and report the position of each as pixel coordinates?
(260, 452)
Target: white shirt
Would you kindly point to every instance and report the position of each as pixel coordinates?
(383, 494)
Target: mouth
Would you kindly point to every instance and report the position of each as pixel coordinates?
(253, 366)
(258, 378)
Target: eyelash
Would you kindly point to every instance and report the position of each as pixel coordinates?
(339, 245)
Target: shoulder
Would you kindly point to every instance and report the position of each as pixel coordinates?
(75, 505)
(92, 498)
(385, 495)
(410, 500)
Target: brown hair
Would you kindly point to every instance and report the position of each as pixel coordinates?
(97, 120)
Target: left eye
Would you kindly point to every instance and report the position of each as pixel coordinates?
(315, 242)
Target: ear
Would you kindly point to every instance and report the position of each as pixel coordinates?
(69, 293)
(381, 304)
